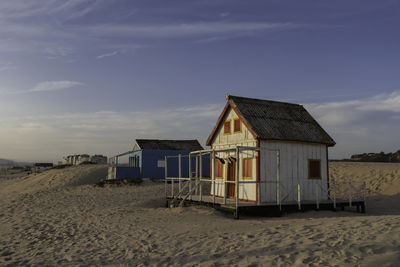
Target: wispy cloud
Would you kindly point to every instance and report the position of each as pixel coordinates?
(186, 29)
(107, 132)
(107, 55)
(352, 110)
(7, 67)
(58, 51)
(54, 86)
(22, 9)
(12, 29)
(80, 7)
(45, 86)
(361, 125)
(382, 102)
(220, 38)
(25, 28)
(25, 25)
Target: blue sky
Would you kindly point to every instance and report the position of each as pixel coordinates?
(91, 76)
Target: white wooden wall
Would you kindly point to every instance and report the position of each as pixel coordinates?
(223, 141)
(293, 170)
(111, 172)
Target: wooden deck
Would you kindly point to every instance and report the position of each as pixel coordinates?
(267, 209)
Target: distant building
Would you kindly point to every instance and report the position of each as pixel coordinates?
(84, 158)
(38, 167)
(98, 159)
(377, 157)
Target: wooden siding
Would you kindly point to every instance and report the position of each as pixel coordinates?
(293, 170)
(294, 158)
(223, 141)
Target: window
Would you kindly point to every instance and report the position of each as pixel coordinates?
(247, 167)
(227, 127)
(134, 161)
(237, 126)
(314, 169)
(161, 163)
(218, 169)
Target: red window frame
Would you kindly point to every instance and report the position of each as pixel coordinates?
(218, 169)
(227, 127)
(247, 168)
(314, 169)
(237, 127)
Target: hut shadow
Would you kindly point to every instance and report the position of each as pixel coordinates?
(308, 214)
(376, 206)
(380, 205)
(383, 205)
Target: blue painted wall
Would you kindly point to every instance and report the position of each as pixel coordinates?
(149, 168)
(151, 157)
(127, 172)
(138, 153)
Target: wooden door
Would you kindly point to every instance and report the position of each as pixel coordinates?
(231, 177)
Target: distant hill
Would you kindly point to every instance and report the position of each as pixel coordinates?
(10, 163)
(377, 157)
(6, 162)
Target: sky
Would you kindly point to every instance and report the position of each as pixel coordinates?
(91, 76)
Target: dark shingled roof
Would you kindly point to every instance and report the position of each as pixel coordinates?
(272, 120)
(189, 145)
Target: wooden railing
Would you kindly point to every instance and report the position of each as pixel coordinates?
(193, 185)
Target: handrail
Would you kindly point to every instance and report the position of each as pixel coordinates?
(283, 190)
(288, 193)
(354, 193)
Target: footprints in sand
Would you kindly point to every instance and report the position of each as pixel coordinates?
(84, 225)
(379, 177)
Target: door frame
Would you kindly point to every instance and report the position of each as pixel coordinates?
(234, 178)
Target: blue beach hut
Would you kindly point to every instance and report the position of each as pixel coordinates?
(147, 159)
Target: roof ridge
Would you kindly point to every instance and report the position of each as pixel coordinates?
(146, 139)
(280, 119)
(262, 100)
(169, 144)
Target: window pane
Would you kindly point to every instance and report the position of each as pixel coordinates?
(237, 125)
(314, 169)
(250, 168)
(161, 163)
(247, 168)
(227, 127)
(218, 168)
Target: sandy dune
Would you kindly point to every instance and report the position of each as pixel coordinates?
(58, 218)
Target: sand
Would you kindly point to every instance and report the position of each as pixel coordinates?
(59, 218)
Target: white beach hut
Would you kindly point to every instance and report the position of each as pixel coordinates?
(290, 156)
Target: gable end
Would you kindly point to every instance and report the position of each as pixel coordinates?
(229, 104)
